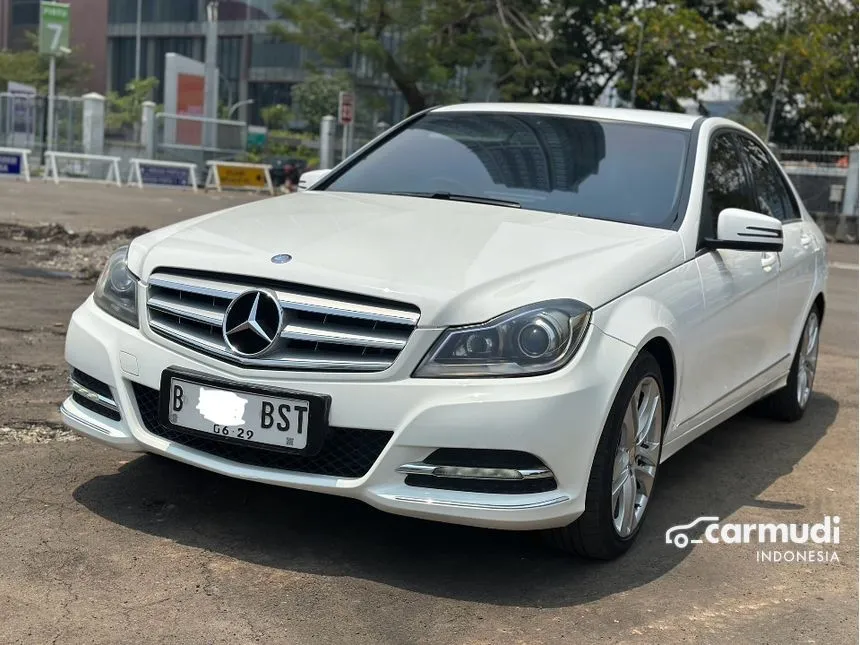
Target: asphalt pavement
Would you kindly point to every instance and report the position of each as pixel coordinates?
(99, 546)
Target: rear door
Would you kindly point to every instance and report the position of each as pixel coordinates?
(735, 342)
(797, 259)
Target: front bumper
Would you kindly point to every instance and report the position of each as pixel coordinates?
(557, 418)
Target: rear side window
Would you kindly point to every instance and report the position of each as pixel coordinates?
(770, 192)
(726, 184)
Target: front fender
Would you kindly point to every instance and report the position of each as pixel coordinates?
(636, 320)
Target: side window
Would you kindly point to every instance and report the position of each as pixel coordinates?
(771, 196)
(726, 184)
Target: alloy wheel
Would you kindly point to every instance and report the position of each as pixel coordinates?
(807, 359)
(637, 455)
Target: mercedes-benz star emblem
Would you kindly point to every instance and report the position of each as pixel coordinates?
(253, 322)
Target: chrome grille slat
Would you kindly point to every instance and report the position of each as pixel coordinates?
(284, 360)
(211, 315)
(322, 332)
(343, 336)
(289, 300)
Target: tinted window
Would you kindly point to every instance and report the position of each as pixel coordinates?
(771, 197)
(725, 183)
(606, 170)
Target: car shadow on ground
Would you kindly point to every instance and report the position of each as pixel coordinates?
(725, 470)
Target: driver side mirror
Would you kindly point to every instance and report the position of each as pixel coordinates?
(743, 230)
(310, 177)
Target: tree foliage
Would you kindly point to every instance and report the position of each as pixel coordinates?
(418, 45)
(31, 68)
(317, 96)
(817, 98)
(124, 110)
(276, 117)
(571, 51)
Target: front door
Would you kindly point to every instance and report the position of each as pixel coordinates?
(736, 341)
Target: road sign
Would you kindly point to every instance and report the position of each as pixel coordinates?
(10, 164)
(164, 175)
(345, 107)
(241, 177)
(53, 27)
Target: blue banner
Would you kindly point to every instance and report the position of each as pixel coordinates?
(10, 164)
(164, 176)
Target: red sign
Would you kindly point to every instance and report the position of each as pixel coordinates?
(346, 107)
(189, 99)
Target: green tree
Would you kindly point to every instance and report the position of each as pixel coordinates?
(317, 96)
(560, 51)
(124, 110)
(583, 46)
(817, 96)
(277, 117)
(31, 68)
(418, 45)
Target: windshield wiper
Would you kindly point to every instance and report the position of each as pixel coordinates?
(455, 197)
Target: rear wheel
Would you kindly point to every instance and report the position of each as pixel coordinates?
(624, 471)
(790, 402)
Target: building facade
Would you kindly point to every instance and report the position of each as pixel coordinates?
(252, 64)
(88, 36)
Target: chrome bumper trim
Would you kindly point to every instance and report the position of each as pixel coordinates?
(486, 506)
(503, 474)
(95, 397)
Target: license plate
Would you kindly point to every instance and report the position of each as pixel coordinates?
(242, 416)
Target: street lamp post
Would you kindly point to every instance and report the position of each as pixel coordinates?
(236, 106)
(137, 40)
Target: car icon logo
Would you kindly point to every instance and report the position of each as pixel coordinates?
(281, 258)
(676, 534)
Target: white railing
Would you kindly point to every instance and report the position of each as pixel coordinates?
(165, 174)
(51, 171)
(23, 162)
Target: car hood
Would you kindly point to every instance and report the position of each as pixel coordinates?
(458, 262)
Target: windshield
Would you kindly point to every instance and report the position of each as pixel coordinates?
(618, 171)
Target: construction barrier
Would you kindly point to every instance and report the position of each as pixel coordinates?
(84, 167)
(162, 173)
(15, 162)
(236, 175)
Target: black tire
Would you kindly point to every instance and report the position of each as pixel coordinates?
(783, 405)
(593, 534)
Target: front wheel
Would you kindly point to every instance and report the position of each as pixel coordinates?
(624, 471)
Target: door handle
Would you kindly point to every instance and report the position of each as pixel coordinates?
(769, 260)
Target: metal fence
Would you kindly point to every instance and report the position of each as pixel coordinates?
(24, 123)
(820, 177)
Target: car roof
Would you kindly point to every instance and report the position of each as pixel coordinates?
(646, 117)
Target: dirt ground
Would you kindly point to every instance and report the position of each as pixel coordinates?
(98, 546)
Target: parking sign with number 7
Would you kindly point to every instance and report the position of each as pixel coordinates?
(53, 27)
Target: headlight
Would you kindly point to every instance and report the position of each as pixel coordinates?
(531, 340)
(116, 290)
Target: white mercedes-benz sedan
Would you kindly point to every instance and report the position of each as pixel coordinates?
(499, 315)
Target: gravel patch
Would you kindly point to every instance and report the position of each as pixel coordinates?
(62, 252)
(35, 433)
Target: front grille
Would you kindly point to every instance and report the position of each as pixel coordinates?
(324, 330)
(347, 452)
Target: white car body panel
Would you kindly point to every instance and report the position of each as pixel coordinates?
(732, 320)
(495, 259)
